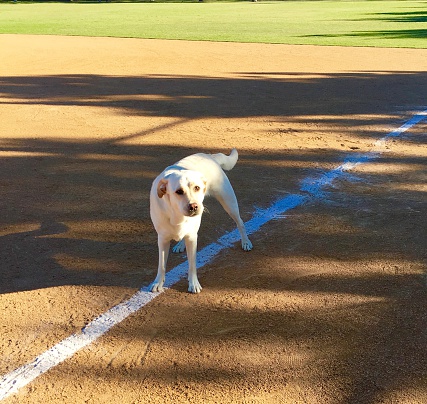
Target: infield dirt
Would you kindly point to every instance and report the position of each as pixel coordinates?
(329, 307)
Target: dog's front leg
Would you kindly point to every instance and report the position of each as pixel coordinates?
(191, 246)
(157, 285)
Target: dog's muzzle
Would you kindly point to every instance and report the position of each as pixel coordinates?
(193, 209)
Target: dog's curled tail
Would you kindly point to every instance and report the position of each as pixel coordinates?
(226, 162)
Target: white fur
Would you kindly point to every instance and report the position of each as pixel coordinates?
(177, 216)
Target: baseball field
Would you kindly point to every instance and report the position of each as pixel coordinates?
(325, 102)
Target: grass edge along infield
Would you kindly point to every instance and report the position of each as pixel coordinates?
(377, 23)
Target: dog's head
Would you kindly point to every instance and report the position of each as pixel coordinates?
(185, 191)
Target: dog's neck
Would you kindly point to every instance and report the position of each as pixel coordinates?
(177, 220)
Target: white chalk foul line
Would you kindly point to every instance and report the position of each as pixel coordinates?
(20, 377)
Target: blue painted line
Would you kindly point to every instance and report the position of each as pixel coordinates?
(310, 188)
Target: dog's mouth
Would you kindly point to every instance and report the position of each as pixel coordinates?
(192, 214)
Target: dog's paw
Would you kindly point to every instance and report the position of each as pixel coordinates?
(179, 247)
(156, 286)
(247, 245)
(194, 286)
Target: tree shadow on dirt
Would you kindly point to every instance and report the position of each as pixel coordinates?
(357, 339)
(79, 213)
(76, 213)
(89, 185)
(251, 94)
(89, 225)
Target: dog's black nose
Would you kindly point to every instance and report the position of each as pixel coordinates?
(193, 207)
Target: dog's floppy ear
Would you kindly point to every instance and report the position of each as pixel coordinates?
(161, 187)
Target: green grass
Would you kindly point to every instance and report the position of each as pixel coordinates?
(347, 23)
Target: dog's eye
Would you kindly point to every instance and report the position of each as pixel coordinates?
(180, 191)
(197, 188)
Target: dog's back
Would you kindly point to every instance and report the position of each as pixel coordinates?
(211, 166)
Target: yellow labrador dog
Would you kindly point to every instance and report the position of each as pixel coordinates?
(176, 207)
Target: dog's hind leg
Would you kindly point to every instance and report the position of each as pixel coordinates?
(227, 198)
(164, 245)
(246, 243)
